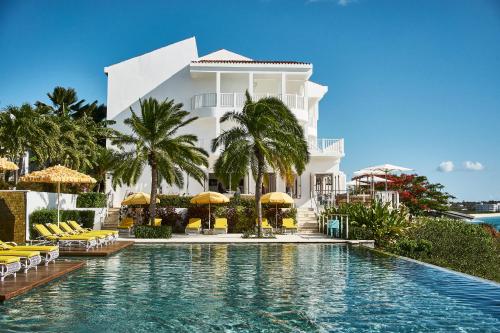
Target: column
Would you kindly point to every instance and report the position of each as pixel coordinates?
(250, 83)
(283, 87)
(217, 88)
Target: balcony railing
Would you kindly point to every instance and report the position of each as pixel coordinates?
(327, 146)
(237, 100)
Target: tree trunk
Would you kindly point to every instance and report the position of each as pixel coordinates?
(258, 193)
(154, 186)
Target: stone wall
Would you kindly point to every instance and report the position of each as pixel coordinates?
(13, 216)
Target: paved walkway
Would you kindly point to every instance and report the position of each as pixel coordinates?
(236, 238)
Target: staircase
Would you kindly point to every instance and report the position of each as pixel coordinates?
(307, 222)
(112, 220)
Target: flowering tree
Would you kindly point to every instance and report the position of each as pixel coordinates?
(417, 193)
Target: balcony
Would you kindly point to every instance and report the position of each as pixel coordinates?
(329, 147)
(237, 100)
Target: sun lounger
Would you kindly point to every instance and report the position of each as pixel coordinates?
(48, 252)
(28, 259)
(101, 239)
(75, 229)
(266, 227)
(9, 266)
(288, 224)
(126, 225)
(157, 223)
(112, 234)
(220, 225)
(66, 241)
(194, 226)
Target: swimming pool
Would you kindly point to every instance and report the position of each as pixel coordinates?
(248, 288)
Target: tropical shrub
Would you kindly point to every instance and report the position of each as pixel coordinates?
(91, 200)
(147, 231)
(458, 245)
(378, 222)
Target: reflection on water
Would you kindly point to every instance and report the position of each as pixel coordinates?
(248, 288)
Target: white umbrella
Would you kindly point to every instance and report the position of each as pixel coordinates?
(388, 168)
(373, 179)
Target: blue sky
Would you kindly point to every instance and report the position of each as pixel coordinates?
(413, 83)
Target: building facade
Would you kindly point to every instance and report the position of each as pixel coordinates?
(211, 85)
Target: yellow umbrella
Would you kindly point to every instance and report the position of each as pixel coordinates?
(6, 165)
(277, 198)
(58, 175)
(209, 198)
(139, 198)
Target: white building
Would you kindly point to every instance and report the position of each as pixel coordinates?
(487, 207)
(213, 84)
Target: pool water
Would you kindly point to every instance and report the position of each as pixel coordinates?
(256, 288)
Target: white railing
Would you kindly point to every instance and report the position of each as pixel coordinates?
(204, 101)
(390, 197)
(327, 146)
(232, 100)
(237, 100)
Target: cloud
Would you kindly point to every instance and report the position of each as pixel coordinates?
(473, 166)
(446, 166)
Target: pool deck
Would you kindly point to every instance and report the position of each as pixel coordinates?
(98, 252)
(22, 283)
(236, 238)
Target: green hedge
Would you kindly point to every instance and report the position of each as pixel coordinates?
(457, 245)
(146, 231)
(91, 200)
(43, 216)
(177, 201)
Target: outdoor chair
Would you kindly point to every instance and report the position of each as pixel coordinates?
(127, 224)
(49, 252)
(266, 227)
(194, 226)
(9, 266)
(332, 228)
(65, 241)
(288, 224)
(74, 228)
(220, 226)
(101, 239)
(28, 259)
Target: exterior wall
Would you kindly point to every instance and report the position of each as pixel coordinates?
(167, 73)
(13, 216)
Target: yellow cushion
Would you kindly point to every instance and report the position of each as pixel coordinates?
(220, 223)
(41, 248)
(194, 223)
(8, 260)
(16, 253)
(265, 224)
(289, 224)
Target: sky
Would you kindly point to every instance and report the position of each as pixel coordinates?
(411, 83)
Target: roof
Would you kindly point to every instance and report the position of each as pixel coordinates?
(272, 62)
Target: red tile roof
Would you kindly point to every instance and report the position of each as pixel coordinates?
(251, 62)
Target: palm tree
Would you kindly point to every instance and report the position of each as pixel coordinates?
(157, 144)
(266, 135)
(24, 129)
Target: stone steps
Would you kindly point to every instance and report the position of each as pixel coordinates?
(307, 222)
(112, 220)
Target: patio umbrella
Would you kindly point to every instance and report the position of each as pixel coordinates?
(388, 168)
(6, 165)
(58, 175)
(209, 198)
(277, 198)
(139, 198)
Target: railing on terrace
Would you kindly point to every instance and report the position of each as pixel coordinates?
(237, 100)
(323, 145)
